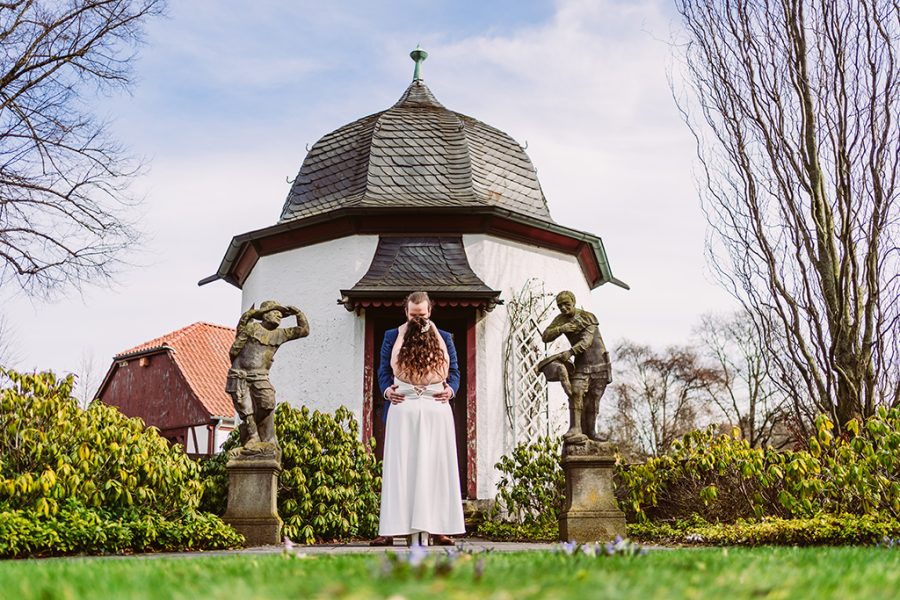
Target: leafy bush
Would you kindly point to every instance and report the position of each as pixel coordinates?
(494, 529)
(530, 494)
(722, 479)
(329, 484)
(79, 529)
(821, 530)
(74, 480)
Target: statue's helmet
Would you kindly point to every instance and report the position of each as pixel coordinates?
(268, 305)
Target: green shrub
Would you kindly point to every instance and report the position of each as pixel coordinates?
(722, 479)
(329, 484)
(821, 530)
(519, 532)
(74, 480)
(79, 529)
(530, 493)
(717, 476)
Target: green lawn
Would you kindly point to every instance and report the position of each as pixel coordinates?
(686, 573)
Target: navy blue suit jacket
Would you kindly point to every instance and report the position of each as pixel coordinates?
(386, 373)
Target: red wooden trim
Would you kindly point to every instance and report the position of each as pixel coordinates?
(532, 235)
(321, 232)
(411, 224)
(245, 263)
(398, 302)
(368, 371)
(471, 412)
(589, 265)
(406, 223)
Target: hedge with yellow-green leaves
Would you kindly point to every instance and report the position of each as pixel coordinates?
(330, 481)
(722, 479)
(75, 481)
(716, 489)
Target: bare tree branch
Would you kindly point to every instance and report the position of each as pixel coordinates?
(659, 397)
(793, 109)
(745, 393)
(64, 202)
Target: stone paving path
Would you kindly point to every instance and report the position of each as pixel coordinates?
(471, 544)
(358, 547)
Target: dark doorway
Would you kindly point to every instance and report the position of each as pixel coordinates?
(456, 322)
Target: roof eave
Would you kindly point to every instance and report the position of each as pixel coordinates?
(241, 243)
(605, 269)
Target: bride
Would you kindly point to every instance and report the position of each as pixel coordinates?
(420, 492)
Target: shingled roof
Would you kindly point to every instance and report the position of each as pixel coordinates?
(416, 154)
(436, 264)
(201, 353)
(415, 168)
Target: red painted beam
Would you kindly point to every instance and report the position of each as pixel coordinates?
(589, 264)
(368, 372)
(244, 265)
(408, 224)
(471, 409)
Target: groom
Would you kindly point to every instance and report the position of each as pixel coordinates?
(417, 304)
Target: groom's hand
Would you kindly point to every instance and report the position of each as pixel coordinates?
(445, 394)
(392, 395)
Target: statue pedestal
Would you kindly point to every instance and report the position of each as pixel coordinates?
(590, 513)
(252, 497)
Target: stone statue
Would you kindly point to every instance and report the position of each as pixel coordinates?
(584, 381)
(258, 338)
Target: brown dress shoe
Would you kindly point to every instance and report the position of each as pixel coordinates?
(382, 540)
(442, 540)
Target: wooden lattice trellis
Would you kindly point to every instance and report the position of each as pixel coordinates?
(527, 406)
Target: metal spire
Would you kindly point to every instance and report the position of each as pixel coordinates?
(419, 56)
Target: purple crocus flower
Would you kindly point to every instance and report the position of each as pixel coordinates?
(417, 554)
(569, 547)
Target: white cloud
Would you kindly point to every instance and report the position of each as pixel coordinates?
(587, 91)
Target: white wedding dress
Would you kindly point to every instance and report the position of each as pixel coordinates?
(420, 477)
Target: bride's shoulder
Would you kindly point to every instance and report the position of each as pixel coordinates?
(401, 333)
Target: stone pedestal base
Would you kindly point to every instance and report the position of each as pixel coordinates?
(252, 497)
(590, 513)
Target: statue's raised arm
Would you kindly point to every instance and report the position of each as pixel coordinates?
(302, 328)
(257, 339)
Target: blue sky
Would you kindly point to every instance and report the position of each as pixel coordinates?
(228, 97)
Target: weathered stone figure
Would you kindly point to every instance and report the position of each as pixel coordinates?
(258, 338)
(586, 380)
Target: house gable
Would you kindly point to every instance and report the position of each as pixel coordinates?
(152, 387)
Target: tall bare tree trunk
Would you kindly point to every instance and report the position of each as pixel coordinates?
(793, 109)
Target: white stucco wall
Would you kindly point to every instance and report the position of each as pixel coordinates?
(506, 266)
(222, 434)
(324, 370)
(201, 433)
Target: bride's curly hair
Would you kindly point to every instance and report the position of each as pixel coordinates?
(421, 351)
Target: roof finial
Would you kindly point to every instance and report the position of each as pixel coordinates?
(419, 56)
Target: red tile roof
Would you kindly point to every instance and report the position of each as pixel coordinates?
(201, 353)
